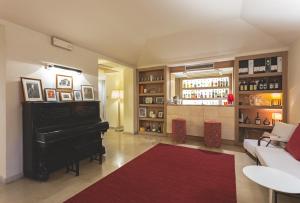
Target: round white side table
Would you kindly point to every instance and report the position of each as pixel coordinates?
(273, 179)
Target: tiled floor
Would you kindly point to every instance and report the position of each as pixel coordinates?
(122, 148)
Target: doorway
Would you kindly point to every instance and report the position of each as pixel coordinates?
(116, 95)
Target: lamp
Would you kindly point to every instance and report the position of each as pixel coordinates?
(52, 65)
(118, 94)
(276, 117)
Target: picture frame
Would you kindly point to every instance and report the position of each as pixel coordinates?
(50, 95)
(66, 96)
(64, 82)
(160, 114)
(87, 92)
(142, 112)
(159, 100)
(32, 89)
(77, 95)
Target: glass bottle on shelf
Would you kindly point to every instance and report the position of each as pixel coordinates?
(257, 119)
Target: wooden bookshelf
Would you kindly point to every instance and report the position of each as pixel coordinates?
(244, 99)
(151, 97)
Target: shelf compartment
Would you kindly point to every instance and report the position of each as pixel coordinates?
(151, 94)
(151, 82)
(153, 105)
(205, 99)
(260, 91)
(253, 126)
(205, 88)
(259, 107)
(261, 75)
(152, 119)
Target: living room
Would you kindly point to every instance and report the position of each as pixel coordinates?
(149, 101)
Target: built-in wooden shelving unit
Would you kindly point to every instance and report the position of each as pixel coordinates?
(260, 89)
(151, 99)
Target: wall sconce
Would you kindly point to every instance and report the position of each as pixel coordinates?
(51, 65)
(276, 117)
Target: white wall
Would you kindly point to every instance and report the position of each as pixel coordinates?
(294, 83)
(25, 50)
(2, 104)
(129, 104)
(114, 81)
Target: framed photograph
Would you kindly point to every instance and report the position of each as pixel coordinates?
(87, 93)
(148, 100)
(160, 114)
(77, 95)
(159, 100)
(66, 96)
(32, 89)
(50, 94)
(64, 82)
(142, 112)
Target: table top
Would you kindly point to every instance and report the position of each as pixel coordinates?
(272, 178)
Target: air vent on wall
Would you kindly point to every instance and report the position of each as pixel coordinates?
(61, 43)
(200, 67)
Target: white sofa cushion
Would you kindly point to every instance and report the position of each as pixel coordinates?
(278, 158)
(250, 145)
(283, 130)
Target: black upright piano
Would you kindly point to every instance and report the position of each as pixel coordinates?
(51, 132)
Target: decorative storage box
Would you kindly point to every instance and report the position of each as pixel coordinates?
(212, 133)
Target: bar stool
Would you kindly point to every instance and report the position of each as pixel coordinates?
(179, 130)
(212, 133)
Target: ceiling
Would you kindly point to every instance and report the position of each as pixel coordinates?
(143, 32)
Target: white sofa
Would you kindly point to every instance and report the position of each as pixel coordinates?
(273, 155)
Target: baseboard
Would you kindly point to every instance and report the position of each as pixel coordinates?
(201, 139)
(11, 178)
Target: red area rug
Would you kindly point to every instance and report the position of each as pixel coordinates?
(167, 174)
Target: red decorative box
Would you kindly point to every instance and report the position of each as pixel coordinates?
(179, 130)
(212, 133)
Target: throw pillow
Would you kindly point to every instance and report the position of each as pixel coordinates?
(293, 146)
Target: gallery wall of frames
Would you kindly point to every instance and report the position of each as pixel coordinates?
(33, 90)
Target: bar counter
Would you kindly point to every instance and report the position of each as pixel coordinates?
(195, 115)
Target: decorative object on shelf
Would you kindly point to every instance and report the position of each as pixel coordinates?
(276, 100)
(276, 117)
(159, 100)
(142, 112)
(152, 114)
(247, 120)
(87, 93)
(64, 82)
(118, 95)
(160, 114)
(230, 98)
(141, 89)
(145, 91)
(142, 129)
(257, 119)
(266, 121)
(50, 94)
(32, 89)
(66, 96)
(148, 100)
(57, 96)
(77, 95)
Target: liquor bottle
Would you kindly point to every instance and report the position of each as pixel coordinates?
(241, 117)
(276, 84)
(245, 86)
(257, 119)
(271, 84)
(268, 64)
(251, 86)
(266, 122)
(274, 67)
(261, 85)
(265, 85)
(241, 86)
(255, 85)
